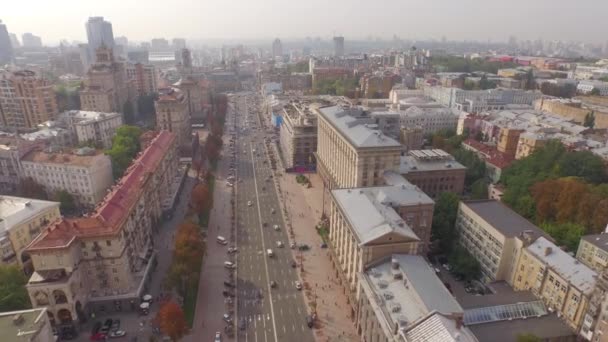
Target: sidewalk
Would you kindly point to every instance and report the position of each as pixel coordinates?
(304, 211)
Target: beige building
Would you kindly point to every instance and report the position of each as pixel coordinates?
(366, 225)
(411, 138)
(508, 140)
(402, 300)
(495, 235)
(31, 325)
(528, 143)
(430, 120)
(26, 99)
(97, 99)
(96, 127)
(351, 150)
(101, 262)
(593, 251)
(193, 93)
(433, 171)
(86, 173)
(172, 114)
(21, 220)
(564, 284)
(298, 137)
(144, 76)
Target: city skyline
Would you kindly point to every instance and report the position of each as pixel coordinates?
(465, 20)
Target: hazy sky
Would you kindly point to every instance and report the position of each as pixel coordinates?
(420, 19)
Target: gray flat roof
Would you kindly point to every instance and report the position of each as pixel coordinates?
(410, 163)
(502, 218)
(14, 210)
(370, 212)
(351, 123)
(545, 327)
(599, 240)
(568, 267)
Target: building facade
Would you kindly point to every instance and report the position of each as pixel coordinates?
(298, 137)
(21, 220)
(94, 127)
(145, 77)
(106, 83)
(86, 173)
(433, 171)
(26, 99)
(101, 262)
(430, 120)
(172, 114)
(593, 251)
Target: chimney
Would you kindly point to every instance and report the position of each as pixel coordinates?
(395, 264)
(548, 250)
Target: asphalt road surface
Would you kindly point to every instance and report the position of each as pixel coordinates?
(264, 313)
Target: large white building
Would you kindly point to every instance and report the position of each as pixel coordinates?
(86, 174)
(586, 87)
(475, 101)
(430, 120)
(95, 127)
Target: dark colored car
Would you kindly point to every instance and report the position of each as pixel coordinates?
(310, 321)
(294, 264)
(227, 294)
(228, 284)
(323, 245)
(303, 247)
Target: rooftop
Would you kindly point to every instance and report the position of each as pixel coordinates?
(438, 328)
(14, 210)
(370, 210)
(115, 207)
(63, 158)
(357, 127)
(489, 153)
(89, 116)
(428, 160)
(502, 218)
(579, 275)
(29, 323)
(407, 290)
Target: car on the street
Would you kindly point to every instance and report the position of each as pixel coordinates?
(298, 286)
(229, 264)
(228, 284)
(115, 325)
(99, 336)
(227, 294)
(279, 244)
(117, 333)
(227, 318)
(106, 326)
(229, 184)
(249, 203)
(310, 321)
(272, 211)
(221, 240)
(273, 284)
(232, 250)
(303, 247)
(294, 264)
(218, 336)
(292, 245)
(242, 323)
(275, 227)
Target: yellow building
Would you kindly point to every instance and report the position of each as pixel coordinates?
(351, 149)
(508, 139)
(101, 262)
(21, 220)
(172, 114)
(528, 143)
(593, 251)
(559, 280)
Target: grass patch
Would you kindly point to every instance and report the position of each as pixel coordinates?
(190, 302)
(323, 231)
(301, 179)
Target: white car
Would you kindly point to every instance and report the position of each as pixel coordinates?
(280, 244)
(218, 337)
(298, 286)
(249, 204)
(275, 227)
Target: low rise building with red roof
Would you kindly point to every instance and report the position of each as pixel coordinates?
(101, 261)
(495, 160)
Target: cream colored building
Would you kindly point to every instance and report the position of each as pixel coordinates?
(298, 137)
(495, 235)
(97, 99)
(86, 173)
(144, 76)
(351, 150)
(21, 220)
(433, 171)
(529, 142)
(101, 262)
(172, 114)
(193, 93)
(564, 284)
(96, 127)
(31, 325)
(593, 251)
(365, 226)
(402, 300)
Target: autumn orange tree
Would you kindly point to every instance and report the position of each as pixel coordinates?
(201, 198)
(171, 321)
(187, 256)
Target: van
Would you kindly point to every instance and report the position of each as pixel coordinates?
(229, 265)
(270, 253)
(222, 240)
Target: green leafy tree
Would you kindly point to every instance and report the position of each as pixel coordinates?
(444, 220)
(29, 188)
(464, 264)
(589, 119)
(66, 200)
(565, 234)
(479, 189)
(528, 338)
(484, 83)
(595, 92)
(476, 168)
(125, 146)
(13, 295)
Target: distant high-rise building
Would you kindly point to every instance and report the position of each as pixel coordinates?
(122, 40)
(14, 40)
(277, 48)
(160, 44)
(338, 46)
(178, 44)
(31, 41)
(139, 56)
(6, 49)
(99, 31)
(85, 56)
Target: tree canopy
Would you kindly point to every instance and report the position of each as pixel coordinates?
(461, 64)
(66, 200)
(125, 146)
(171, 320)
(444, 219)
(338, 87)
(13, 295)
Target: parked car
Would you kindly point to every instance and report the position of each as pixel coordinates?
(117, 333)
(115, 325)
(310, 321)
(218, 336)
(294, 264)
(232, 250)
(292, 245)
(273, 284)
(298, 286)
(227, 293)
(323, 245)
(228, 284)
(227, 318)
(303, 247)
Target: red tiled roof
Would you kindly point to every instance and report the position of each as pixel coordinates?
(116, 206)
(490, 154)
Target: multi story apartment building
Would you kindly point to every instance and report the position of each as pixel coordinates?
(575, 109)
(403, 300)
(11, 151)
(475, 101)
(101, 262)
(593, 251)
(411, 138)
(351, 150)
(298, 136)
(193, 93)
(96, 127)
(529, 142)
(564, 284)
(508, 140)
(106, 84)
(26, 99)
(145, 78)
(433, 171)
(172, 114)
(430, 120)
(86, 173)
(365, 226)
(495, 235)
(21, 220)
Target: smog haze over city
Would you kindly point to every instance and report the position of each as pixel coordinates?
(479, 20)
